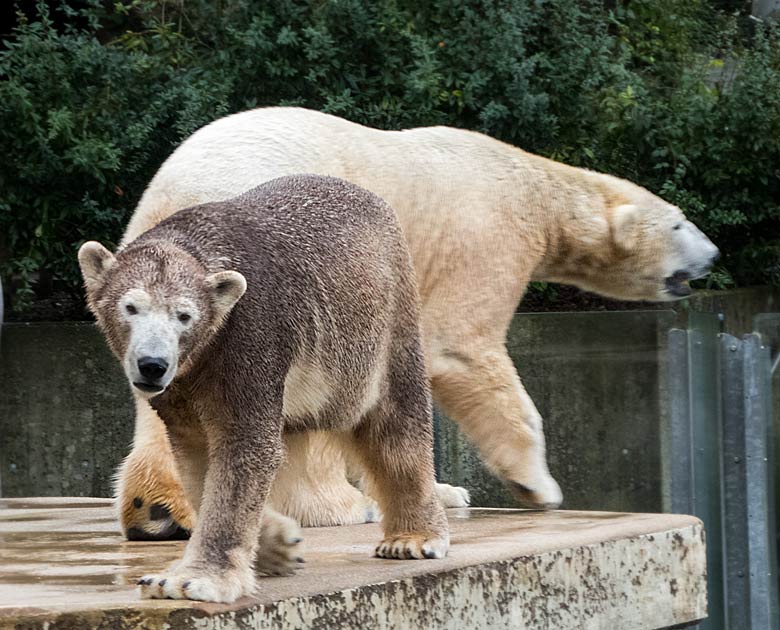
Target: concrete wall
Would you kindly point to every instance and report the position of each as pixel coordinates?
(66, 416)
(597, 378)
(766, 9)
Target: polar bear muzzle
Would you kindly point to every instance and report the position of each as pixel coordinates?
(693, 255)
(151, 369)
(677, 284)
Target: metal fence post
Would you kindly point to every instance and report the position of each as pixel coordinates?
(722, 467)
(749, 548)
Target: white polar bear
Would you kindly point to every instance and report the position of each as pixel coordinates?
(482, 219)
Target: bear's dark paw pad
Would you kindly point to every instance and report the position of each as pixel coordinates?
(158, 512)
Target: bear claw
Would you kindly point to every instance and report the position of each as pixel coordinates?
(409, 547)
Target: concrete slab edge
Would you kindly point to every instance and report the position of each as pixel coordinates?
(648, 581)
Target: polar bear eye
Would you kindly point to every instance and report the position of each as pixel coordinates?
(131, 310)
(678, 226)
(184, 317)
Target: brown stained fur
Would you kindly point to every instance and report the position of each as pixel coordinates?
(329, 282)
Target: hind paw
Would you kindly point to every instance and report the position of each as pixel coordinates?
(452, 496)
(279, 550)
(151, 500)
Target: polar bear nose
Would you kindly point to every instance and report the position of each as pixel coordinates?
(152, 368)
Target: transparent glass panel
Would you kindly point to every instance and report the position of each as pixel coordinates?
(706, 449)
(598, 382)
(768, 326)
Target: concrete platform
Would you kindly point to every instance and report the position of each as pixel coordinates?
(64, 565)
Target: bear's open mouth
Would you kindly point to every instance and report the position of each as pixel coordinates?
(146, 387)
(677, 284)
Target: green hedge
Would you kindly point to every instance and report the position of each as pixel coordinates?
(675, 95)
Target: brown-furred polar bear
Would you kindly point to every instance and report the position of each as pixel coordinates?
(290, 308)
(482, 219)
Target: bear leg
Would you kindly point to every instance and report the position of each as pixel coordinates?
(218, 563)
(394, 443)
(399, 473)
(311, 485)
(481, 391)
(278, 549)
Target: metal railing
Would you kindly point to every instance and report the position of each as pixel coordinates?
(724, 429)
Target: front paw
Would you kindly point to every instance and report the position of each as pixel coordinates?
(279, 550)
(545, 494)
(196, 585)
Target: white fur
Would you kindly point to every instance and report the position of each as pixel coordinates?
(452, 496)
(306, 390)
(154, 332)
(693, 250)
(625, 220)
(462, 179)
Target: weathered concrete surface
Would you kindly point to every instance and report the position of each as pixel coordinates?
(62, 563)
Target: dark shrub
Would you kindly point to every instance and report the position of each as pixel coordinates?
(671, 94)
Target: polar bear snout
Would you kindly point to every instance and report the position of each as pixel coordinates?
(152, 370)
(151, 360)
(696, 252)
(154, 345)
(693, 257)
(700, 265)
(676, 284)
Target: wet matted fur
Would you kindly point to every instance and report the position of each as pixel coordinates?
(290, 308)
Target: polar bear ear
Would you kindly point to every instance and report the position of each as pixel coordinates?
(625, 226)
(94, 260)
(225, 288)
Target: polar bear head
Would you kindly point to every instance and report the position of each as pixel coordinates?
(157, 307)
(635, 246)
(660, 244)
